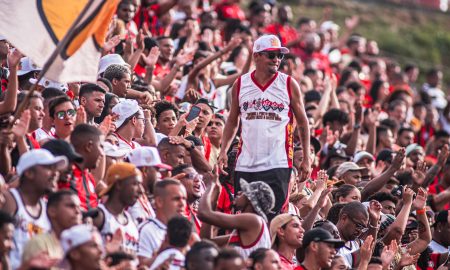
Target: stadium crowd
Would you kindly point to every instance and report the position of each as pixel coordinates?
(223, 136)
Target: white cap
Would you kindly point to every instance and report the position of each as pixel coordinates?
(362, 154)
(110, 59)
(40, 157)
(2, 37)
(147, 156)
(124, 110)
(346, 167)
(268, 43)
(412, 147)
(114, 151)
(329, 25)
(49, 83)
(26, 65)
(76, 236)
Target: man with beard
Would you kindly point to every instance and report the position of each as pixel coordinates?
(193, 183)
(147, 160)
(87, 141)
(320, 249)
(92, 98)
(39, 171)
(63, 211)
(265, 101)
(170, 200)
(286, 232)
(123, 190)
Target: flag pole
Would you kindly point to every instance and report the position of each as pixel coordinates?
(49, 62)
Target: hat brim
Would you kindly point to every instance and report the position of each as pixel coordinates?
(283, 50)
(335, 242)
(60, 162)
(245, 187)
(163, 166)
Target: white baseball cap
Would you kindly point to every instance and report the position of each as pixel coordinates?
(124, 110)
(329, 25)
(26, 65)
(110, 59)
(347, 167)
(269, 43)
(114, 151)
(2, 37)
(40, 157)
(76, 236)
(49, 83)
(362, 154)
(147, 156)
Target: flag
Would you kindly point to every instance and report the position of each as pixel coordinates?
(35, 27)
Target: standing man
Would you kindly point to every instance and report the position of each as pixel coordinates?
(266, 101)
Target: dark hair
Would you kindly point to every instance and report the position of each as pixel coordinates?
(118, 257)
(394, 103)
(160, 186)
(83, 133)
(383, 196)
(257, 256)
(343, 191)
(115, 71)
(150, 43)
(56, 197)
(163, 106)
(179, 231)
(180, 168)
(310, 71)
(106, 82)
(57, 101)
(441, 134)
(108, 98)
(196, 250)
(404, 129)
(6, 218)
(376, 260)
(375, 89)
(22, 94)
(334, 212)
(234, 53)
(345, 75)
(312, 96)
(354, 86)
(89, 88)
(227, 254)
(51, 92)
(353, 208)
(410, 67)
(335, 115)
(390, 124)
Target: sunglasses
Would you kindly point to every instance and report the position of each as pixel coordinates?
(363, 228)
(71, 113)
(192, 176)
(272, 55)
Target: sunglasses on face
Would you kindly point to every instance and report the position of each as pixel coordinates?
(363, 228)
(272, 55)
(71, 113)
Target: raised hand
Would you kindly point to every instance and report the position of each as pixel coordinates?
(366, 250)
(111, 43)
(408, 195)
(397, 162)
(105, 125)
(321, 181)
(374, 210)
(184, 57)
(358, 113)
(420, 172)
(81, 116)
(421, 199)
(152, 57)
(14, 58)
(388, 253)
(408, 259)
(352, 22)
(20, 128)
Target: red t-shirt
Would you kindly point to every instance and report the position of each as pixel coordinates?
(161, 71)
(207, 146)
(224, 202)
(230, 11)
(286, 33)
(139, 70)
(83, 183)
(150, 16)
(300, 267)
(286, 264)
(191, 215)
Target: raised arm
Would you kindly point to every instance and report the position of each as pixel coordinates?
(377, 183)
(10, 102)
(421, 243)
(399, 225)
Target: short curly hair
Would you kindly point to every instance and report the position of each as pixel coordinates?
(116, 72)
(163, 106)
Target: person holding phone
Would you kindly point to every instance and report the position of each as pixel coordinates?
(266, 101)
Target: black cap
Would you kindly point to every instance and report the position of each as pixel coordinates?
(320, 235)
(207, 102)
(442, 216)
(63, 148)
(385, 155)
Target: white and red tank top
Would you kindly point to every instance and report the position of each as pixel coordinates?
(267, 118)
(263, 241)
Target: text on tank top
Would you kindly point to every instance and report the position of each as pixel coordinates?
(267, 123)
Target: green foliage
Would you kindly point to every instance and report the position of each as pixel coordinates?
(404, 34)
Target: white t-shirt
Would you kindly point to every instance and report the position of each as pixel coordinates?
(151, 235)
(141, 210)
(347, 250)
(437, 248)
(177, 262)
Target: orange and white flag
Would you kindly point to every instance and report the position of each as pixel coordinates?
(35, 27)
